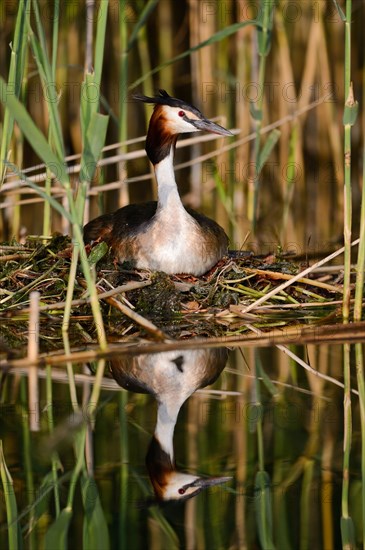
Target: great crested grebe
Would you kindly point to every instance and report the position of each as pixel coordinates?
(171, 377)
(164, 235)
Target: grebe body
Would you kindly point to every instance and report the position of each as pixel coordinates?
(164, 235)
(171, 377)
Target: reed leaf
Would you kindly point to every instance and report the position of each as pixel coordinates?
(339, 10)
(14, 537)
(87, 106)
(267, 148)
(348, 533)
(263, 507)
(100, 43)
(94, 143)
(217, 37)
(264, 43)
(40, 191)
(97, 253)
(48, 184)
(49, 86)
(44, 492)
(32, 133)
(142, 20)
(56, 536)
(265, 32)
(95, 529)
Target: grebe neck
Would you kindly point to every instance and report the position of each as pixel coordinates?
(165, 426)
(168, 194)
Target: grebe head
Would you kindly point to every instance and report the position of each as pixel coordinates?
(178, 117)
(169, 483)
(181, 486)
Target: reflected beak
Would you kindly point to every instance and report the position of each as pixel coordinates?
(209, 126)
(204, 482)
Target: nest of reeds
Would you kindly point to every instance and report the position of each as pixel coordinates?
(242, 293)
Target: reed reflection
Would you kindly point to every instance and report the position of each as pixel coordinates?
(171, 377)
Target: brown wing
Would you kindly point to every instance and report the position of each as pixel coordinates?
(117, 226)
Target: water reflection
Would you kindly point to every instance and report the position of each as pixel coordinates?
(275, 427)
(171, 377)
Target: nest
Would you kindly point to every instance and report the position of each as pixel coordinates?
(242, 294)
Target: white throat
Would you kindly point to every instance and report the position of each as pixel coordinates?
(168, 195)
(165, 426)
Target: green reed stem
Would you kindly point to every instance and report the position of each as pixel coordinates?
(123, 83)
(27, 458)
(94, 302)
(50, 420)
(40, 52)
(347, 432)
(95, 394)
(359, 358)
(349, 118)
(263, 500)
(264, 41)
(80, 461)
(15, 77)
(93, 126)
(305, 505)
(70, 373)
(123, 94)
(359, 362)
(48, 182)
(260, 439)
(70, 289)
(124, 468)
(14, 536)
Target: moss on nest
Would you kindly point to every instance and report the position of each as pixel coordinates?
(160, 300)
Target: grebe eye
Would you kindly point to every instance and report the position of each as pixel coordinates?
(181, 113)
(181, 491)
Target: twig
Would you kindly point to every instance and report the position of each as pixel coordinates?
(296, 278)
(133, 285)
(277, 275)
(137, 318)
(14, 257)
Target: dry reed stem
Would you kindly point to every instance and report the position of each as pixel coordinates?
(107, 161)
(33, 349)
(296, 278)
(277, 308)
(312, 334)
(300, 361)
(275, 275)
(109, 384)
(17, 184)
(133, 285)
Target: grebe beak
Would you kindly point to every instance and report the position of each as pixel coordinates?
(205, 482)
(209, 126)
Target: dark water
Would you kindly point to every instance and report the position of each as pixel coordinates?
(258, 419)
